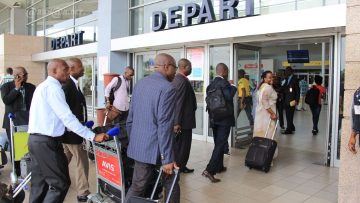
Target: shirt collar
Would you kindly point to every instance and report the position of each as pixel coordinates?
(53, 80)
(182, 74)
(219, 76)
(74, 80)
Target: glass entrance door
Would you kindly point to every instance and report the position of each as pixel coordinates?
(246, 73)
(88, 84)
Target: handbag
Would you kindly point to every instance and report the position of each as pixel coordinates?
(112, 113)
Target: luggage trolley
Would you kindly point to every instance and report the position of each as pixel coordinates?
(109, 168)
(19, 148)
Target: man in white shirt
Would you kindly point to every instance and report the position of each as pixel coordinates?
(121, 94)
(49, 115)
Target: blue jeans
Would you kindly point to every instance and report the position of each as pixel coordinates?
(315, 110)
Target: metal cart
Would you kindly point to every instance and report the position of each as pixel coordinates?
(109, 168)
(19, 148)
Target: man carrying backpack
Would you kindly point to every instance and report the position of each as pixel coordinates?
(313, 99)
(219, 101)
(117, 96)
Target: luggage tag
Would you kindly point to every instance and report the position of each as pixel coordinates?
(357, 109)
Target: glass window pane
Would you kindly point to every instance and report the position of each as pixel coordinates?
(145, 65)
(197, 58)
(60, 20)
(35, 12)
(5, 27)
(36, 28)
(5, 14)
(86, 11)
(137, 21)
(309, 4)
(90, 30)
(276, 6)
(136, 2)
(53, 5)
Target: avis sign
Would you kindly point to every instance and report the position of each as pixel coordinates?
(205, 13)
(108, 167)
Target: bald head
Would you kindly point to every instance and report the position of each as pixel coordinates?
(222, 70)
(76, 68)
(166, 65)
(184, 66)
(20, 73)
(58, 69)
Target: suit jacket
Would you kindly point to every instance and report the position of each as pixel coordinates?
(150, 122)
(185, 102)
(76, 101)
(12, 99)
(291, 91)
(229, 92)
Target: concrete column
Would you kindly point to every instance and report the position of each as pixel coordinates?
(349, 177)
(112, 23)
(18, 21)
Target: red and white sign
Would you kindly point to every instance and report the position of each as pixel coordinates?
(109, 167)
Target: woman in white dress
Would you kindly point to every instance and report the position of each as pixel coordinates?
(266, 107)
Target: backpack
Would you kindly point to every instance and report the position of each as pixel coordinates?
(312, 96)
(113, 90)
(216, 105)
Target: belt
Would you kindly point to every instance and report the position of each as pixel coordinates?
(46, 136)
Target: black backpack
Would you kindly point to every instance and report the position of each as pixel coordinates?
(113, 90)
(312, 96)
(216, 104)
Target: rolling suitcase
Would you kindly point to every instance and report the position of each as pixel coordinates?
(151, 199)
(261, 151)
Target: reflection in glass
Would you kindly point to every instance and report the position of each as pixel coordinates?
(341, 96)
(197, 58)
(85, 11)
(87, 83)
(145, 65)
(60, 20)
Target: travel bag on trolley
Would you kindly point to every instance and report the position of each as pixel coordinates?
(261, 151)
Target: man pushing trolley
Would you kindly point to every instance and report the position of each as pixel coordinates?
(49, 115)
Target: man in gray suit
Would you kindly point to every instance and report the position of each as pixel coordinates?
(184, 115)
(150, 126)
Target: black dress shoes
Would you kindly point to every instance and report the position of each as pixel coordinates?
(186, 170)
(287, 132)
(206, 174)
(82, 198)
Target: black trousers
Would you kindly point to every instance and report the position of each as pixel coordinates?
(50, 178)
(248, 109)
(182, 147)
(221, 135)
(280, 111)
(17, 163)
(315, 110)
(141, 177)
(290, 110)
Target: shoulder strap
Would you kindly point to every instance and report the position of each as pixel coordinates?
(118, 84)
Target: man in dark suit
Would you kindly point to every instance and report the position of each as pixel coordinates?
(291, 98)
(221, 128)
(17, 96)
(73, 147)
(150, 126)
(184, 115)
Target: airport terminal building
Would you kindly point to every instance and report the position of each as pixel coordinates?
(253, 35)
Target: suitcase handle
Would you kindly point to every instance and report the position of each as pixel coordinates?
(267, 130)
(176, 171)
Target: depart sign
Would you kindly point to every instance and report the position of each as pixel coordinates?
(204, 12)
(68, 41)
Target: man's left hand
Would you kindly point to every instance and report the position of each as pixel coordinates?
(351, 144)
(177, 129)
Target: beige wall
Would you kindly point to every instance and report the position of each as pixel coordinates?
(349, 179)
(16, 50)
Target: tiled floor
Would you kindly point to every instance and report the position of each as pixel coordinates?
(294, 177)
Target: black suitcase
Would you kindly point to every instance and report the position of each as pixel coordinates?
(152, 198)
(261, 151)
